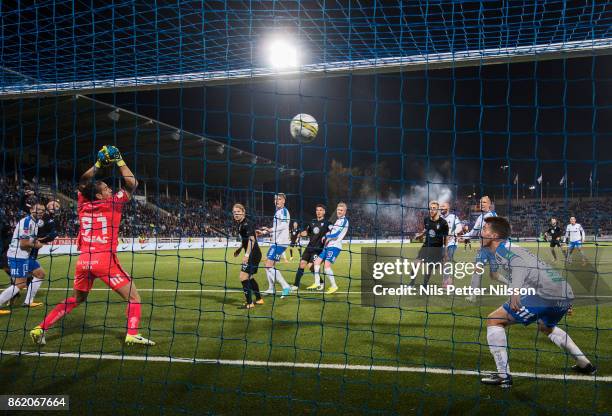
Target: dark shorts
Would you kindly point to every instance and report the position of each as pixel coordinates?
(467, 241)
(294, 244)
(431, 254)
(555, 243)
(310, 254)
(252, 265)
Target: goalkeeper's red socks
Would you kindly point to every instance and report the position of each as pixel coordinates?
(133, 312)
(61, 309)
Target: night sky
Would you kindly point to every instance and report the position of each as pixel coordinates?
(454, 126)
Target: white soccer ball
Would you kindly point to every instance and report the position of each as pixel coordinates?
(304, 128)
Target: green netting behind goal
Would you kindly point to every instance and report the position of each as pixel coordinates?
(446, 101)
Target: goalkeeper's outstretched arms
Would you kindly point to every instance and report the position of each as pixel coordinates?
(106, 156)
(130, 182)
(89, 175)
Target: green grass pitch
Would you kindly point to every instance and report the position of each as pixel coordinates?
(190, 305)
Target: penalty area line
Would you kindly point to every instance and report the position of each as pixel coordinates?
(285, 364)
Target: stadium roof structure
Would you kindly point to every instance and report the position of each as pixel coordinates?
(65, 47)
(70, 129)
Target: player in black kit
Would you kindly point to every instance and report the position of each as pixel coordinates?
(466, 240)
(435, 233)
(294, 235)
(553, 235)
(315, 231)
(251, 259)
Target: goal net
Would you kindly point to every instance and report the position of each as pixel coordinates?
(484, 106)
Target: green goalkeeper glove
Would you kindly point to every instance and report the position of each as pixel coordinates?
(102, 158)
(115, 156)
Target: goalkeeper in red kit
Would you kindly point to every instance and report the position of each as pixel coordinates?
(99, 211)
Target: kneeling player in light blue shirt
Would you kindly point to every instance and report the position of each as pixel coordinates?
(546, 307)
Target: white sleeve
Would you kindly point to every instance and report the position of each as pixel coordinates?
(582, 233)
(339, 230)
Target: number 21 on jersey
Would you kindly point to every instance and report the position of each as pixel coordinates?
(94, 233)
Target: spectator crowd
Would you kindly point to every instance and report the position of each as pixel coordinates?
(171, 216)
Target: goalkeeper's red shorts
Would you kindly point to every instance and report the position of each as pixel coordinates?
(103, 266)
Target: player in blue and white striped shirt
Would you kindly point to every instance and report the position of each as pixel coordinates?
(454, 229)
(483, 256)
(333, 247)
(279, 234)
(21, 263)
(574, 237)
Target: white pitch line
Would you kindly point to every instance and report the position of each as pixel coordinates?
(293, 293)
(190, 290)
(286, 364)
